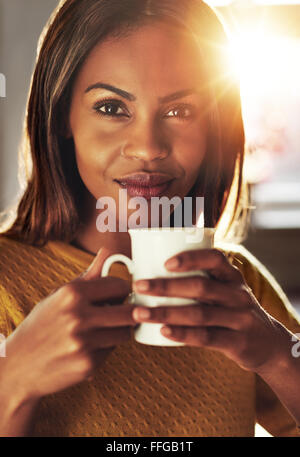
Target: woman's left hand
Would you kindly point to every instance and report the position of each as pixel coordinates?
(227, 316)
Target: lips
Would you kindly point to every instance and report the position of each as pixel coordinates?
(145, 185)
(145, 179)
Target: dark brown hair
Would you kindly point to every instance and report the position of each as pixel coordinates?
(52, 199)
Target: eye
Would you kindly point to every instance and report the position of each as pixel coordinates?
(181, 112)
(111, 108)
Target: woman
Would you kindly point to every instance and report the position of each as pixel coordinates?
(120, 89)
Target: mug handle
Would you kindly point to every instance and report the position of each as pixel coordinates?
(116, 258)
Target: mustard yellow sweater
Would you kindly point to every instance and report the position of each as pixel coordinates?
(146, 390)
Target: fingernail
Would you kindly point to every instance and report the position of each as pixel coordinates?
(172, 263)
(142, 313)
(142, 286)
(166, 331)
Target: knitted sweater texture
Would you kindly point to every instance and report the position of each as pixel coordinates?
(144, 390)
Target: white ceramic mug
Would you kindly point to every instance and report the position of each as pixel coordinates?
(151, 247)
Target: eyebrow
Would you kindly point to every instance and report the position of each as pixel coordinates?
(131, 97)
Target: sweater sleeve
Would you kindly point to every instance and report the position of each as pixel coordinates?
(5, 325)
(4, 320)
(3, 330)
(270, 412)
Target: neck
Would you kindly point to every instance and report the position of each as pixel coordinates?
(90, 240)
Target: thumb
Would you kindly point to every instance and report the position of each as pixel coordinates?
(95, 268)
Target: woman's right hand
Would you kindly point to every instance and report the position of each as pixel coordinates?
(67, 336)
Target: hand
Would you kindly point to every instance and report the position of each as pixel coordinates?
(227, 317)
(67, 335)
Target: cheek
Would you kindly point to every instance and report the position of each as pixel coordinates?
(93, 144)
(94, 149)
(190, 148)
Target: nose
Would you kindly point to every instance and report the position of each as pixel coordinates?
(146, 142)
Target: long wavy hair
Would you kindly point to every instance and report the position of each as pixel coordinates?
(52, 192)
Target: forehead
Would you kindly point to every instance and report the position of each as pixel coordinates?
(154, 57)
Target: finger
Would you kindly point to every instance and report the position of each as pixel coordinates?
(115, 316)
(196, 287)
(94, 270)
(98, 290)
(200, 315)
(214, 261)
(225, 340)
(108, 337)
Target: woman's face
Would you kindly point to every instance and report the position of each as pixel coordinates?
(137, 116)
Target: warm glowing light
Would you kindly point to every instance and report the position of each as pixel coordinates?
(265, 62)
(218, 2)
(255, 2)
(276, 2)
(268, 67)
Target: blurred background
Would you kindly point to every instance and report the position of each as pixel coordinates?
(264, 53)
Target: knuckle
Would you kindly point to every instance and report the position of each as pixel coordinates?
(73, 319)
(161, 284)
(246, 320)
(198, 315)
(243, 294)
(164, 313)
(76, 345)
(205, 337)
(200, 286)
(86, 364)
(74, 324)
(72, 294)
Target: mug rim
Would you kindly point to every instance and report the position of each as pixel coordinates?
(171, 229)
